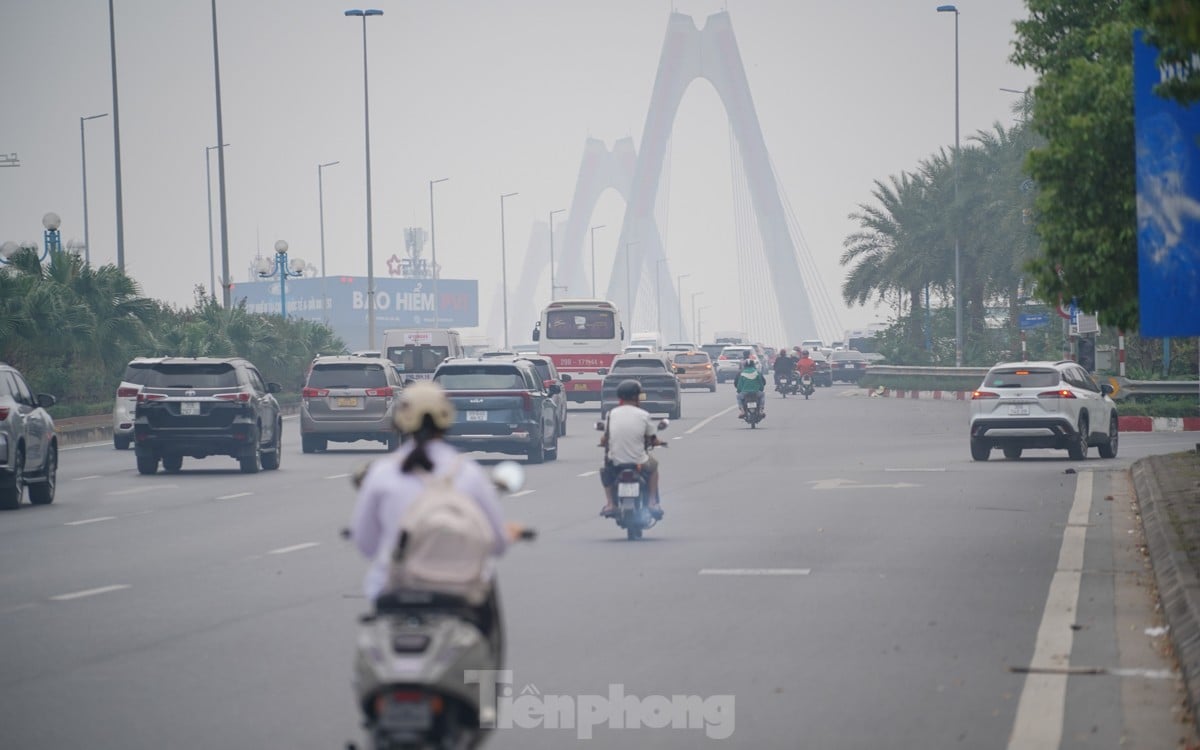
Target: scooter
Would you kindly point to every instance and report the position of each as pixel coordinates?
(806, 386)
(412, 658)
(754, 409)
(633, 492)
(788, 385)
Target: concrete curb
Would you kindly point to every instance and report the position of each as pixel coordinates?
(1178, 586)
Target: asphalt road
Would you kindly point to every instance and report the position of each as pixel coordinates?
(843, 577)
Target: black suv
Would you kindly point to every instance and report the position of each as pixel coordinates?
(502, 406)
(657, 376)
(202, 407)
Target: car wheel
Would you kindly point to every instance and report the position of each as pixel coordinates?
(537, 451)
(552, 451)
(172, 464)
(10, 497)
(980, 451)
(1012, 453)
(121, 442)
(1078, 448)
(562, 426)
(677, 412)
(147, 464)
(1109, 449)
(308, 444)
(271, 460)
(252, 462)
(393, 442)
(42, 493)
(712, 388)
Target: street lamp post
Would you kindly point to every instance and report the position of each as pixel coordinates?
(437, 301)
(504, 267)
(364, 14)
(283, 268)
(116, 115)
(321, 209)
(552, 286)
(958, 334)
(9, 249)
(699, 326)
(212, 266)
(226, 279)
(695, 328)
(679, 290)
(87, 244)
(593, 233)
(51, 237)
(658, 297)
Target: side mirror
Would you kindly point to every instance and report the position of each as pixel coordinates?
(678, 370)
(664, 424)
(274, 388)
(45, 400)
(564, 377)
(1105, 388)
(602, 371)
(554, 389)
(537, 332)
(600, 426)
(508, 476)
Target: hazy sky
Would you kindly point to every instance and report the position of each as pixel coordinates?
(497, 95)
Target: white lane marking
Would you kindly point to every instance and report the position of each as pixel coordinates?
(140, 490)
(105, 443)
(294, 548)
(842, 484)
(337, 476)
(86, 521)
(89, 476)
(1041, 709)
(90, 592)
(914, 469)
(16, 608)
(703, 422)
(755, 571)
(589, 473)
(235, 495)
(522, 493)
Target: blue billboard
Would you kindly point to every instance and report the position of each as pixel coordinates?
(399, 303)
(1168, 199)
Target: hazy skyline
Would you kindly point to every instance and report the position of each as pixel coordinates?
(496, 96)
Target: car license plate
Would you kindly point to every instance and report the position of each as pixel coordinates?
(347, 401)
(1018, 411)
(628, 489)
(409, 715)
(477, 416)
(580, 386)
(189, 408)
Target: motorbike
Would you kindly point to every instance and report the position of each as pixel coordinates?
(412, 657)
(754, 409)
(806, 386)
(633, 492)
(788, 385)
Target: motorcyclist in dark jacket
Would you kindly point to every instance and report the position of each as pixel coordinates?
(784, 365)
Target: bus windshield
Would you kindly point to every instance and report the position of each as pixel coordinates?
(580, 324)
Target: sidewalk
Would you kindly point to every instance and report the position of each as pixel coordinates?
(1168, 495)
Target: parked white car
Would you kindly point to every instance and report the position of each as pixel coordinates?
(1042, 405)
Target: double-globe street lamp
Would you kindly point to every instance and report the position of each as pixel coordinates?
(504, 266)
(280, 266)
(52, 241)
(364, 14)
(87, 241)
(958, 336)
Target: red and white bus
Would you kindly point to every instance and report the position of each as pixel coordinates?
(581, 336)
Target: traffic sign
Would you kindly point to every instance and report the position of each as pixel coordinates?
(1034, 320)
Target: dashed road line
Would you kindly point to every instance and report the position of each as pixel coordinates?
(755, 571)
(914, 469)
(141, 490)
(294, 548)
(589, 473)
(522, 493)
(235, 495)
(90, 592)
(337, 476)
(89, 476)
(86, 521)
(16, 608)
(703, 422)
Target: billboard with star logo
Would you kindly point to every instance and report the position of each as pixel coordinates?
(399, 303)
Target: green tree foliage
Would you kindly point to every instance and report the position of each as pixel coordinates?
(1174, 27)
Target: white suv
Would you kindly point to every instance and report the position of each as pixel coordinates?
(1042, 405)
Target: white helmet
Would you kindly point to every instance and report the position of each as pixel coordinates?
(419, 400)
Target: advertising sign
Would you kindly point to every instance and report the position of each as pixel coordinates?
(1168, 199)
(1034, 320)
(399, 303)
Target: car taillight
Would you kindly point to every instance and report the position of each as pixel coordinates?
(314, 392)
(142, 397)
(527, 402)
(1064, 393)
(3, 413)
(975, 396)
(723, 357)
(242, 396)
(384, 392)
(127, 392)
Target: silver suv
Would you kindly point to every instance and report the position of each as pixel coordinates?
(1042, 405)
(347, 399)
(28, 446)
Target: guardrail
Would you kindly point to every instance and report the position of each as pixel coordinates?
(969, 377)
(1127, 387)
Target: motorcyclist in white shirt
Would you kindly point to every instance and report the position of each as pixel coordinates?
(628, 430)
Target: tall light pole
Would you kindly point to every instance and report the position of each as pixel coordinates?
(593, 233)
(437, 301)
(504, 267)
(116, 115)
(321, 209)
(658, 297)
(87, 243)
(679, 291)
(552, 287)
(226, 280)
(958, 334)
(695, 328)
(212, 265)
(364, 14)
(628, 289)
(699, 330)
